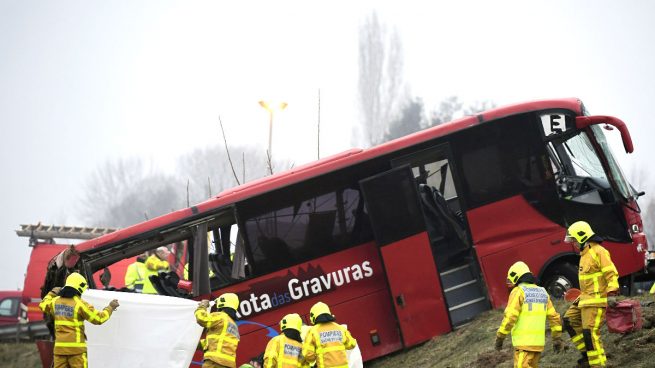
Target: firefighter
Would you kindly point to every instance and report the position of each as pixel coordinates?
(599, 286)
(527, 309)
(186, 271)
(136, 277)
(58, 270)
(154, 264)
(284, 351)
(327, 341)
(157, 261)
(222, 336)
(70, 312)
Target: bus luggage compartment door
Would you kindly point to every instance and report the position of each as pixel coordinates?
(393, 206)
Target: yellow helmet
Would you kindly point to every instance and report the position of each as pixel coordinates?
(517, 270)
(228, 300)
(77, 282)
(318, 309)
(292, 321)
(580, 231)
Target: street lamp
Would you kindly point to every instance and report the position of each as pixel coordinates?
(271, 108)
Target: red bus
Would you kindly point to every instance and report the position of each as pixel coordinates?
(409, 239)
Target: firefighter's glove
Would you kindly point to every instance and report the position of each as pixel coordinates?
(558, 344)
(56, 290)
(499, 343)
(204, 304)
(113, 304)
(612, 299)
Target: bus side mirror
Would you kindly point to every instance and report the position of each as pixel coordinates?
(582, 122)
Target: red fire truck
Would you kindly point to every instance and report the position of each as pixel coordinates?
(409, 239)
(21, 316)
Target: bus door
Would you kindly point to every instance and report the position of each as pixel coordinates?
(454, 255)
(393, 206)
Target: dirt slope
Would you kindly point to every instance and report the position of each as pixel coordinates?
(472, 346)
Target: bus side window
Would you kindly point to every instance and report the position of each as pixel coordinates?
(305, 227)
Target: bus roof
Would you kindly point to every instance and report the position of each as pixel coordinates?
(325, 165)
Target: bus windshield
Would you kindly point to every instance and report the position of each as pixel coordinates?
(615, 169)
(580, 168)
(583, 157)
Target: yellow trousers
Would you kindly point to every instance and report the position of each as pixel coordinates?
(70, 361)
(526, 359)
(211, 364)
(583, 325)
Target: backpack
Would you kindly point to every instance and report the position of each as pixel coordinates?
(624, 317)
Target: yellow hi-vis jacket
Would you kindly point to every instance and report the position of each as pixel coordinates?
(597, 276)
(527, 310)
(136, 277)
(186, 272)
(222, 337)
(283, 352)
(154, 264)
(326, 344)
(69, 315)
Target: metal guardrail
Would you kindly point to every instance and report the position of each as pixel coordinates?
(24, 331)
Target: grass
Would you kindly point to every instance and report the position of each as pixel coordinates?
(19, 355)
(473, 346)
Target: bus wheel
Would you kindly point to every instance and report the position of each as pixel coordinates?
(560, 279)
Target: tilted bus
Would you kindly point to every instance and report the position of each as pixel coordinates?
(409, 239)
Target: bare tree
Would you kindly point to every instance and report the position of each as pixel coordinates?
(411, 119)
(211, 165)
(447, 109)
(478, 107)
(451, 108)
(123, 192)
(381, 87)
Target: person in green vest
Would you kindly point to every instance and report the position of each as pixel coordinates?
(136, 277)
(155, 263)
(186, 271)
(525, 316)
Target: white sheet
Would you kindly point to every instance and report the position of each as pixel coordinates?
(146, 331)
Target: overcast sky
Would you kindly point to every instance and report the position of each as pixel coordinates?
(83, 82)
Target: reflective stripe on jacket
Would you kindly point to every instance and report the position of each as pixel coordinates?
(283, 352)
(69, 315)
(597, 276)
(222, 337)
(326, 344)
(525, 316)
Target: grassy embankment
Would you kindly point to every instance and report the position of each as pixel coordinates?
(471, 346)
